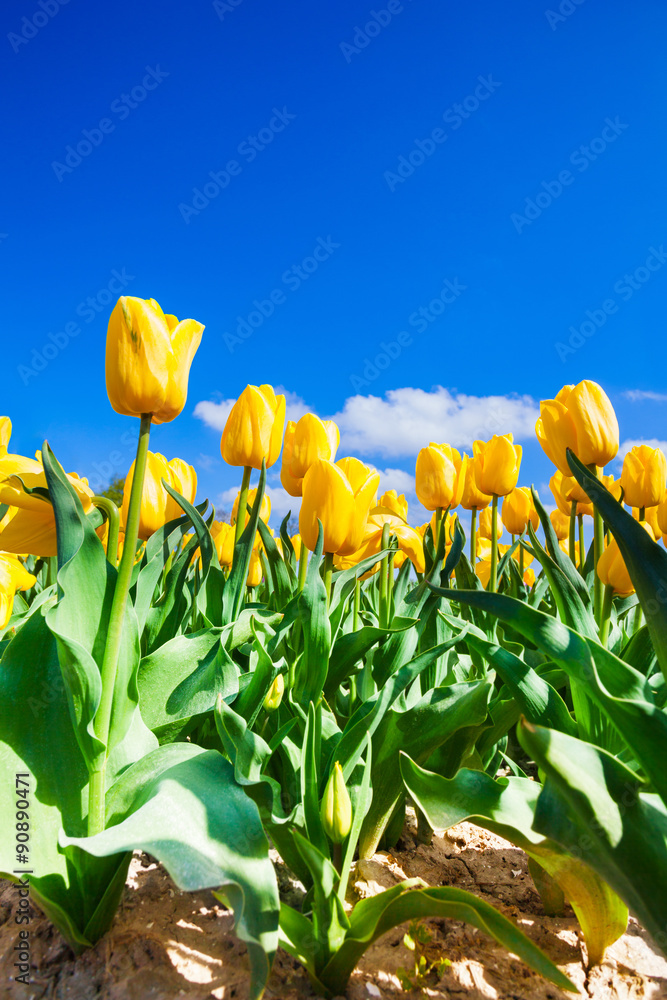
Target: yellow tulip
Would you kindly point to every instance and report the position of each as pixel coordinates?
(13, 576)
(157, 507)
(291, 485)
(313, 439)
(254, 428)
(32, 528)
(565, 489)
(560, 523)
(410, 542)
(222, 534)
(296, 544)
(336, 808)
(264, 510)
(643, 476)
(340, 496)
(529, 578)
(651, 517)
(148, 358)
(274, 695)
(255, 569)
(471, 497)
(13, 464)
(612, 570)
(581, 418)
(518, 510)
(485, 524)
(439, 478)
(5, 434)
(661, 516)
(496, 464)
(395, 503)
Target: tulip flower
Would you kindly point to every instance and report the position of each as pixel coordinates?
(306, 441)
(148, 359)
(397, 504)
(486, 524)
(5, 434)
(567, 491)
(651, 518)
(410, 542)
(13, 576)
(255, 569)
(223, 539)
(254, 429)
(438, 480)
(612, 570)
(336, 808)
(496, 465)
(340, 496)
(643, 476)
(11, 465)
(581, 418)
(157, 506)
(560, 523)
(519, 510)
(264, 510)
(32, 528)
(472, 498)
(274, 695)
(661, 516)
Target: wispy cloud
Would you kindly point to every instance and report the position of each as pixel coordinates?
(640, 395)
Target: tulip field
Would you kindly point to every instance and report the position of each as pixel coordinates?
(220, 694)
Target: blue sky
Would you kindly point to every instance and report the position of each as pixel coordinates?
(453, 188)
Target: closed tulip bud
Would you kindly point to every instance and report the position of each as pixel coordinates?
(336, 808)
(264, 510)
(612, 570)
(438, 479)
(497, 464)
(148, 359)
(13, 576)
(254, 428)
(519, 510)
(275, 694)
(643, 476)
(255, 569)
(291, 485)
(471, 497)
(529, 578)
(296, 544)
(560, 523)
(314, 439)
(582, 419)
(340, 496)
(222, 534)
(485, 524)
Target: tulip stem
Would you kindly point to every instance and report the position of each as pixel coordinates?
(598, 549)
(243, 504)
(521, 556)
(384, 575)
(102, 720)
(328, 573)
(605, 617)
(572, 535)
(582, 549)
(303, 566)
(473, 537)
(390, 585)
(109, 508)
(493, 578)
(357, 598)
(642, 513)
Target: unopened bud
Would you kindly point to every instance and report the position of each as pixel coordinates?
(275, 694)
(336, 808)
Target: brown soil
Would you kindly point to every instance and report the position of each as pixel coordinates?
(166, 944)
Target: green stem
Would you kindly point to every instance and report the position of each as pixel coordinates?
(493, 579)
(243, 504)
(521, 559)
(390, 587)
(642, 513)
(473, 537)
(303, 566)
(572, 536)
(637, 619)
(102, 720)
(328, 573)
(582, 550)
(109, 508)
(439, 511)
(384, 577)
(605, 616)
(598, 548)
(357, 600)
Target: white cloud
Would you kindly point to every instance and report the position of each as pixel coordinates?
(627, 446)
(639, 395)
(215, 414)
(408, 419)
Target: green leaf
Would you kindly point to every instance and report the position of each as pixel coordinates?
(594, 807)
(234, 592)
(282, 585)
(507, 807)
(312, 668)
(207, 833)
(351, 647)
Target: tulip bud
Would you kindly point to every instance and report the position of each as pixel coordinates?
(275, 694)
(496, 464)
(254, 428)
(565, 490)
(560, 523)
(651, 517)
(582, 419)
(438, 479)
(157, 506)
(485, 525)
(643, 476)
(264, 510)
(340, 496)
(611, 567)
(336, 808)
(471, 497)
(223, 539)
(518, 510)
(148, 358)
(255, 571)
